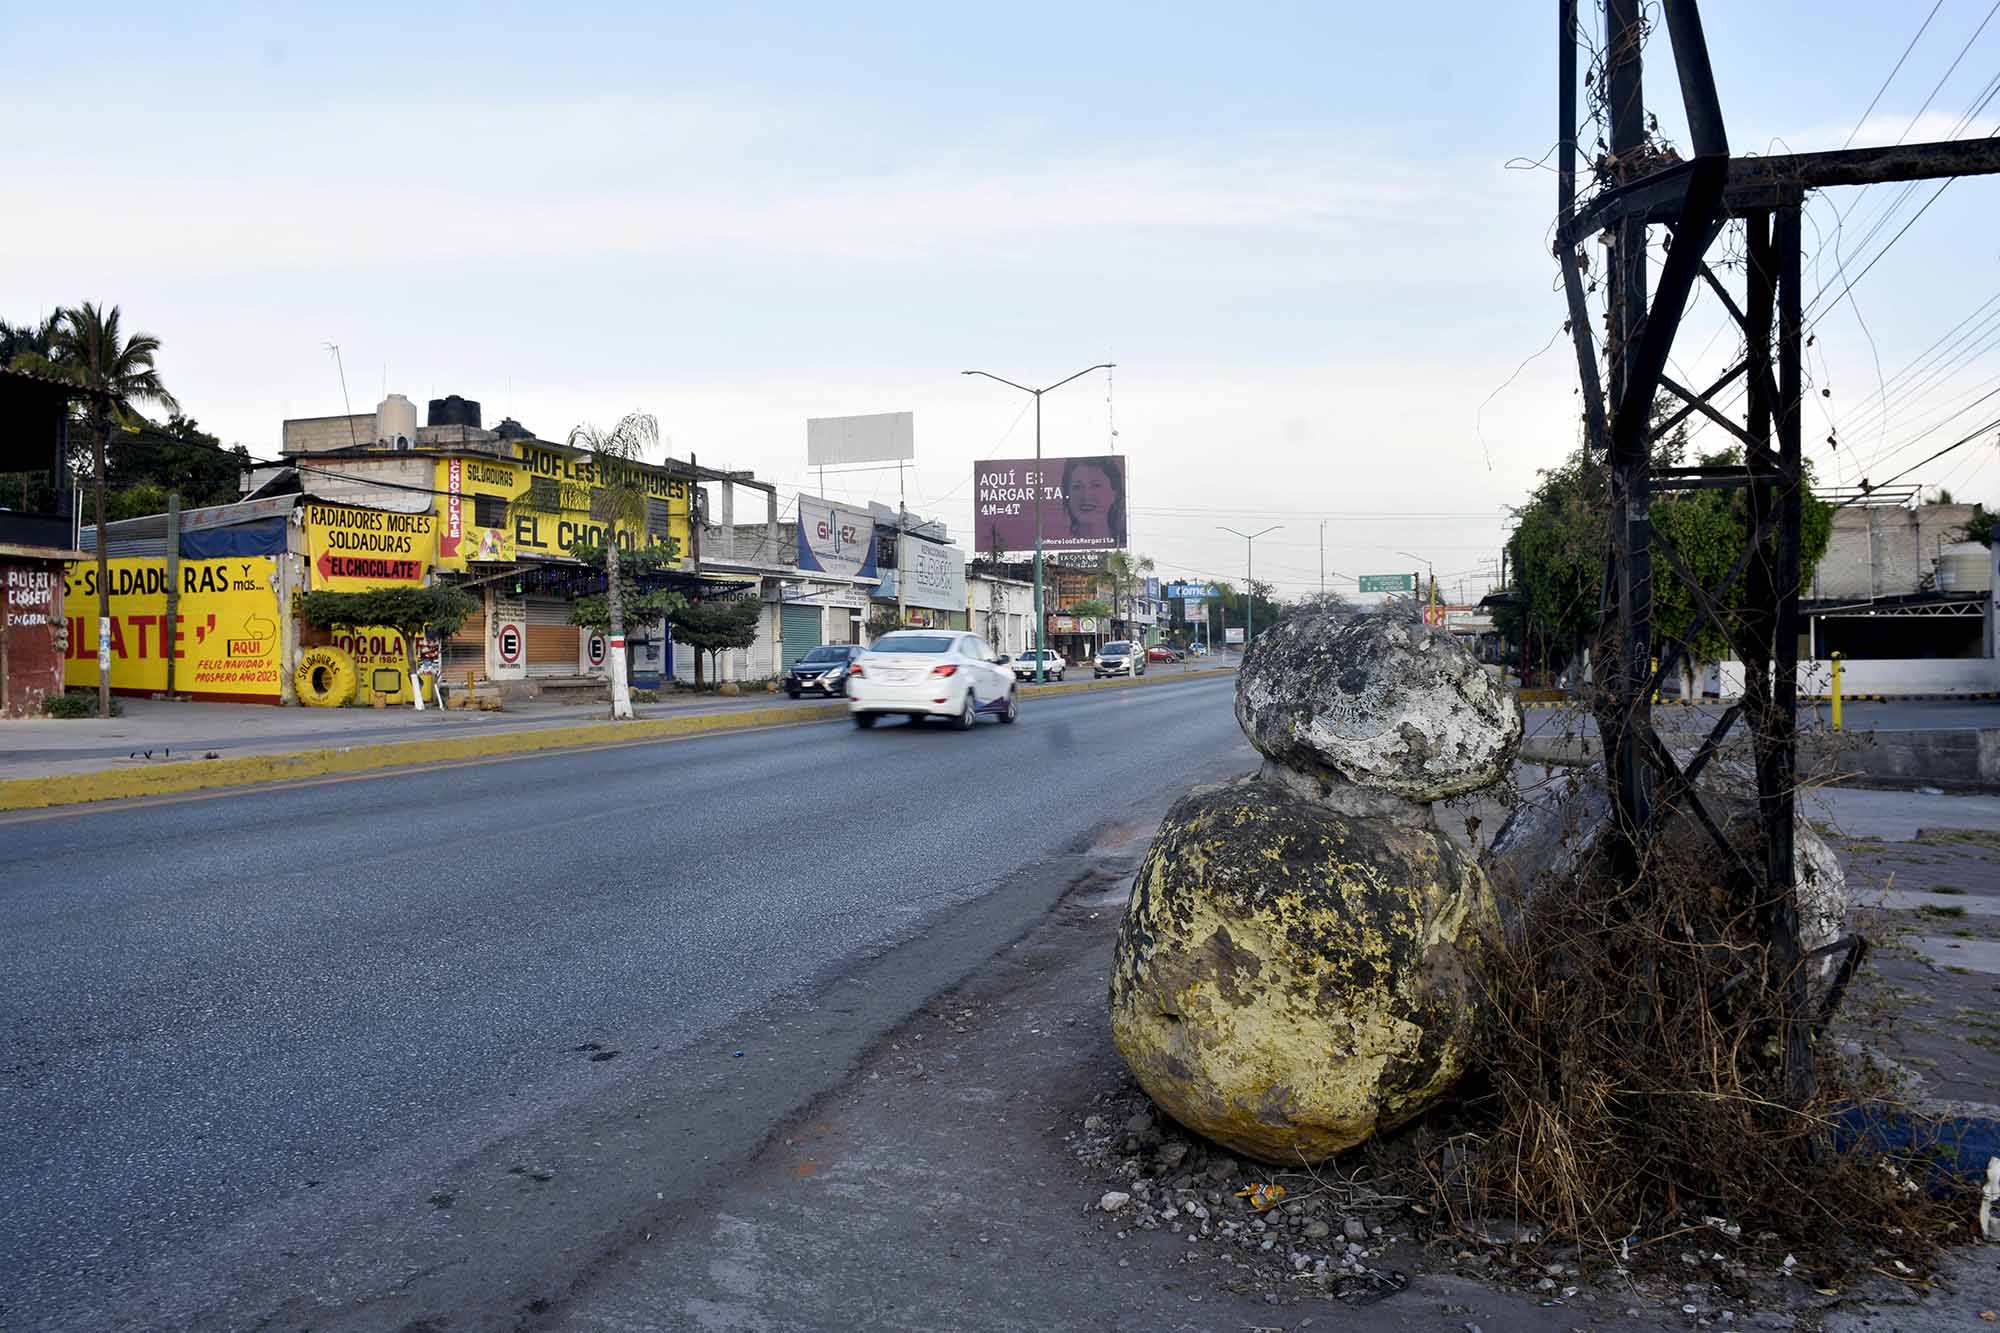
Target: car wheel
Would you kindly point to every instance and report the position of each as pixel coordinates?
(864, 720)
(966, 717)
(792, 690)
(1012, 710)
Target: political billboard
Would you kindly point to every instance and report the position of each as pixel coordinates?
(1082, 503)
(836, 540)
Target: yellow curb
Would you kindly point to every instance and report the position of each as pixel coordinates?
(201, 775)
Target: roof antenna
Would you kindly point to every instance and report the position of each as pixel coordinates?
(335, 349)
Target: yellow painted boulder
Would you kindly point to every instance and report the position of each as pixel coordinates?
(1294, 972)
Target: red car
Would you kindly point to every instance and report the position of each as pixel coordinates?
(1160, 652)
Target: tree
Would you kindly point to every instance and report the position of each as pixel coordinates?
(716, 624)
(618, 501)
(411, 612)
(641, 606)
(178, 456)
(1978, 528)
(1559, 541)
(89, 348)
(1126, 571)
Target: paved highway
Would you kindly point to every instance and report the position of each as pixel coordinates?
(368, 1050)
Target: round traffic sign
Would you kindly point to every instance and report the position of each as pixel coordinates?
(595, 648)
(1434, 615)
(509, 643)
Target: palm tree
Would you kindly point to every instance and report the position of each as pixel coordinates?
(1126, 570)
(619, 501)
(114, 372)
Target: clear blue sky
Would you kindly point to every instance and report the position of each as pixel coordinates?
(1291, 225)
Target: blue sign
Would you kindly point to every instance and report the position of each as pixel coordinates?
(1194, 592)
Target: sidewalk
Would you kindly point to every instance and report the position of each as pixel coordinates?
(950, 1183)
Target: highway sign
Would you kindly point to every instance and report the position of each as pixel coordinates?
(1388, 583)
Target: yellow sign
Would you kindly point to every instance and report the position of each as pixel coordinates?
(541, 504)
(225, 633)
(381, 663)
(357, 550)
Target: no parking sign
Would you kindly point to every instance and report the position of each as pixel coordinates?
(594, 649)
(509, 643)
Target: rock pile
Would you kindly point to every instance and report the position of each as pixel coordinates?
(1293, 972)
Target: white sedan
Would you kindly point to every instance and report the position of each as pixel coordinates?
(919, 673)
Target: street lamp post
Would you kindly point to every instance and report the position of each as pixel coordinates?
(1428, 566)
(1249, 586)
(1041, 620)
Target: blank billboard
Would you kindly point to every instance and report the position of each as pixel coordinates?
(886, 437)
(1082, 503)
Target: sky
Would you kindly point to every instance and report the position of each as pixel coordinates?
(1313, 237)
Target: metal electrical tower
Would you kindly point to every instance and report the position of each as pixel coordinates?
(1642, 186)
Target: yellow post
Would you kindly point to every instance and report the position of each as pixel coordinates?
(1836, 691)
(1656, 667)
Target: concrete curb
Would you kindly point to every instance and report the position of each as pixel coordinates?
(291, 766)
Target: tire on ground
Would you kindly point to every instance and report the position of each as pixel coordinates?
(325, 677)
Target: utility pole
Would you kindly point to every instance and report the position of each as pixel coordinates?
(1249, 584)
(99, 428)
(1041, 619)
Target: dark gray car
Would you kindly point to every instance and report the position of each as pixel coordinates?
(822, 671)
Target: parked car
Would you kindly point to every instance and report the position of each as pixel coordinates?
(822, 671)
(1161, 652)
(917, 673)
(1120, 657)
(1197, 650)
(1052, 664)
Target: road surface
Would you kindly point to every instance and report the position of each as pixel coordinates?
(365, 1050)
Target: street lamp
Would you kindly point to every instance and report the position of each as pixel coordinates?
(1249, 588)
(1428, 566)
(1041, 621)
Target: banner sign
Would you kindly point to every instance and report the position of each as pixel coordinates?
(834, 539)
(1082, 503)
(225, 629)
(381, 663)
(1190, 592)
(931, 573)
(355, 550)
(1197, 613)
(1233, 635)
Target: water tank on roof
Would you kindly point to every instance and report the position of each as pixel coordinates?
(455, 411)
(1965, 567)
(510, 429)
(396, 421)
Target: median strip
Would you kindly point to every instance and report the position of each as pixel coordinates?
(120, 784)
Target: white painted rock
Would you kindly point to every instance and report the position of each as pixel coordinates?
(1377, 701)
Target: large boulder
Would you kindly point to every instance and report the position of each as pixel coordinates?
(1294, 973)
(1377, 700)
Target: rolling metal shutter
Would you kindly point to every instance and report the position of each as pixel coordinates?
(466, 650)
(552, 641)
(801, 631)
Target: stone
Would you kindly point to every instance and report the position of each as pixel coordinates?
(1294, 972)
(1379, 701)
(1316, 1229)
(1114, 1200)
(1354, 1229)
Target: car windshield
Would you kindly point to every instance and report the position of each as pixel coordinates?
(1117, 647)
(913, 643)
(825, 655)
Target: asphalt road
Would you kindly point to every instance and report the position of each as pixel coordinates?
(437, 1044)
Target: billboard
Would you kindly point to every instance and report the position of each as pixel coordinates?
(1197, 613)
(1082, 503)
(1190, 591)
(1233, 635)
(886, 437)
(356, 550)
(931, 574)
(836, 540)
(544, 501)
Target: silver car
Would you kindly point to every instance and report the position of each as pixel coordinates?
(1120, 657)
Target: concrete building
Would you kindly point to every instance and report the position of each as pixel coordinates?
(1897, 582)
(1003, 611)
